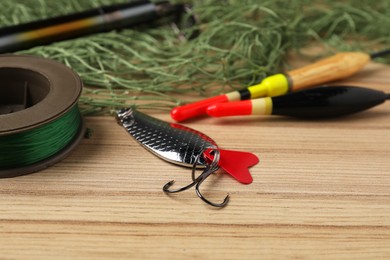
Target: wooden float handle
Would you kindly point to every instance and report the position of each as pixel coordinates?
(339, 66)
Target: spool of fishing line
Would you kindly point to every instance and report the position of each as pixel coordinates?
(40, 123)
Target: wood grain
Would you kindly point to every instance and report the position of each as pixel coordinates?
(321, 191)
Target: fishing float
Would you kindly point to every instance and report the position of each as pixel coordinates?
(313, 103)
(336, 67)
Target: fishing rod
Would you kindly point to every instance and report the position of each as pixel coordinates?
(336, 67)
(317, 102)
(98, 20)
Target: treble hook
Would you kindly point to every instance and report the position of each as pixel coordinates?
(213, 167)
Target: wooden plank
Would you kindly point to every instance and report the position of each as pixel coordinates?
(321, 190)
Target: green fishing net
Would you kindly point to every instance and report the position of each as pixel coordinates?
(241, 42)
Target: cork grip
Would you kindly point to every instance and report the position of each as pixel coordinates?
(339, 66)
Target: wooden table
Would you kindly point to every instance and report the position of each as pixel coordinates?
(321, 190)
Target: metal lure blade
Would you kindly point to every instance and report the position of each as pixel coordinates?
(169, 141)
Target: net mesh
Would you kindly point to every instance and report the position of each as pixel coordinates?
(241, 42)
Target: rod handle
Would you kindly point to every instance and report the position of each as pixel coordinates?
(336, 67)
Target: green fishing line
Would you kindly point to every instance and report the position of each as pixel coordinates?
(32, 146)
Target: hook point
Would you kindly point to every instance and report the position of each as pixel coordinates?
(168, 185)
(218, 205)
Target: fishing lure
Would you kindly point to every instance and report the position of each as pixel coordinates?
(318, 102)
(185, 146)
